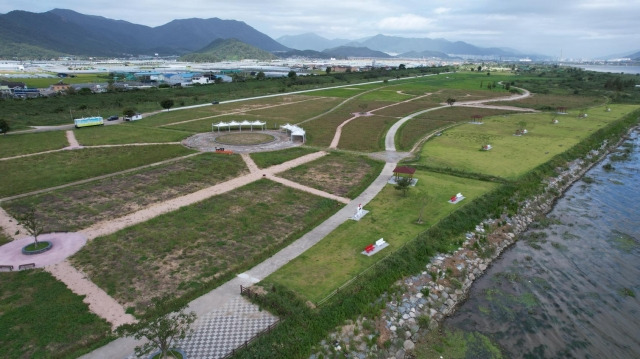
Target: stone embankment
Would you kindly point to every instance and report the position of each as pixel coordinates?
(420, 302)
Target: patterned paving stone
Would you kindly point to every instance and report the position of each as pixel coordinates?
(220, 331)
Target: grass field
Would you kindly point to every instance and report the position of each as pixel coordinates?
(365, 133)
(337, 258)
(25, 143)
(117, 196)
(418, 127)
(54, 169)
(551, 102)
(78, 79)
(185, 249)
(125, 133)
(337, 173)
(512, 156)
(41, 318)
(268, 159)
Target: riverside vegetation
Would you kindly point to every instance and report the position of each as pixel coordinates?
(441, 233)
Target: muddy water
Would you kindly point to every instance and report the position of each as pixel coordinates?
(571, 286)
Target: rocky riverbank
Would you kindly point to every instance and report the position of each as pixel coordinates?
(417, 304)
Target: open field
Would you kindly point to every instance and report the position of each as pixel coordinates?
(337, 258)
(41, 318)
(268, 159)
(413, 130)
(365, 133)
(188, 248)
(544, 102)
(125, 133)
(54, 169)
(78, 79)
(25, 143)
(117, 196)
(512, 156)
(337, 173)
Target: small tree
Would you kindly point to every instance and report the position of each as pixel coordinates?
(166, 104)
(328, 70)
(292, 75)
(402, 67)
(260, 75)
(162, 332)
(451, 101)
(4, 127)
(32, 224)
(402, 184)
(129, 112)
(424, 205)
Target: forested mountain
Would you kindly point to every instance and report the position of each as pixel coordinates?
(227, 50)
(68, 32)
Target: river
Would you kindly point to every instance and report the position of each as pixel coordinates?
(570, 287)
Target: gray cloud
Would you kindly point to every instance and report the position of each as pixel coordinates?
(578, 28)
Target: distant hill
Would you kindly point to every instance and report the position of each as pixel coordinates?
(69, 32)
(352, 51)
(401, 45)
(307, 54)
(310, 41)
(227, 50)
(424, 54)
(634, 56)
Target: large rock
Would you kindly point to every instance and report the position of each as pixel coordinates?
(408, 345)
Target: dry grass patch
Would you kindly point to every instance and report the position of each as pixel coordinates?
(77, 207)
(192, 247)
(337, 173)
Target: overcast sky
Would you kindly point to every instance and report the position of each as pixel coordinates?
(573, 28)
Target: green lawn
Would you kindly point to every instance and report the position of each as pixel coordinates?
(76, 207)
(512, 156)
(337, 258)
(25, 143)
(365, 133)
(126, 133)
(194, 245)
(337, 173)
(268, 159)
(54, 169)
(41, 318)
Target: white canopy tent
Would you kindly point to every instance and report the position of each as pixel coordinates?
(295, 131)
(238, 125)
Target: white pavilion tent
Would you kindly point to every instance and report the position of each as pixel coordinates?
(238, 125)
(295, 131)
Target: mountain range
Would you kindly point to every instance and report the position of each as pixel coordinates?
(61, 32)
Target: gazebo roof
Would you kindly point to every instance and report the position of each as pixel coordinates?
(405, 170)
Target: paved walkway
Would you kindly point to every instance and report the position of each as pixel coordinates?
(73, 143)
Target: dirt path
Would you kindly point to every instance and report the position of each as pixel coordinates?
(10, 225)
(71, 138)
(143, 215)
(79, 147)
(253, 168)
(98, 300)
(308, 189)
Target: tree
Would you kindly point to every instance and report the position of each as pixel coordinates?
(4, 127)
(260, 76)
(129, 112)
(162, 332)
(424, 205)
(402, 67)
(328, 70)
(166, 104)
(479, 68)
(451, 101)
(363, 107)
(402, 184)
(292, 75)
(32, 223)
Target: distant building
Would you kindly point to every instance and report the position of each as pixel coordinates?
(59, 87)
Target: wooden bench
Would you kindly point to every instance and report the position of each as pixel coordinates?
(6, 268)
(369, 248)
(26, 266)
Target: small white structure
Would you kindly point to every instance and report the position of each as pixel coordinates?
(486, 147)
(238, 125)
(295, 131)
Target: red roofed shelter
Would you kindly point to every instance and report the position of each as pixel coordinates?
(404, 170)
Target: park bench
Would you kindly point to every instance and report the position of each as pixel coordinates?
(26, 266)
(380, 242)
(369, 248)
(6, 268)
